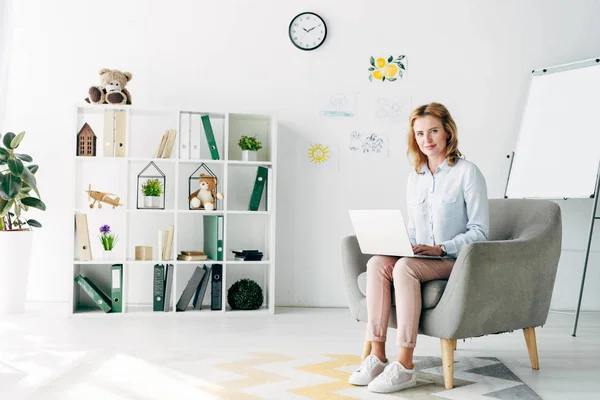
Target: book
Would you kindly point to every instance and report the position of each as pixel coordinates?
(201, 291)
(171, 133)
(192, 253)
(183, 257)
(168, 244)
(98, 296)
(190, 289)
(168, 286)
(257, 191)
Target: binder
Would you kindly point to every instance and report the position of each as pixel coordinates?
(115, 124)
(201, 291)
(120, 126)
(116, 287)
(159, 288)
(184, 135)
(83, 237)
(213, 237)
(216, 287)
(168, 285)
(98, 296)
(210, 137)
(257, 191)
(190, 288)
(195, 129)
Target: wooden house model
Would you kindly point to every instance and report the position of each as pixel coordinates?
(86, 141)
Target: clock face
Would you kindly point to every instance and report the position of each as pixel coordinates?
(307, 31)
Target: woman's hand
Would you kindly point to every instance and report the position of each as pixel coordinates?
(423, 249)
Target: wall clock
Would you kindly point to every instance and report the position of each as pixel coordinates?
(307, 31)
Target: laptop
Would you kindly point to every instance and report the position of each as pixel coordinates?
(383, 232)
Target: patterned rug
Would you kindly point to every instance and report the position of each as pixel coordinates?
(293, 375)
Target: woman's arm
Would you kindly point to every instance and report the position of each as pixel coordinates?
(476, 203)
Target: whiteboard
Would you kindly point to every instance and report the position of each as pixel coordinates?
(558, 147)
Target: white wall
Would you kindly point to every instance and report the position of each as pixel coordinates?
(474, 56)
(5, 41)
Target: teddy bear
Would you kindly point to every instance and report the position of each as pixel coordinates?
(205, 196)
(112, 88)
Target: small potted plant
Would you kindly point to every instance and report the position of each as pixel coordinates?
(152, 190)
(108, 240)
(18, 193)
(249, 145)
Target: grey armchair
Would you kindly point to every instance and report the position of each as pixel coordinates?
(497, 286)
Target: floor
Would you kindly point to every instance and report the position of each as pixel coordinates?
(44, 355)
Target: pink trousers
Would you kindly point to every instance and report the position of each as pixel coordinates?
(407, 275)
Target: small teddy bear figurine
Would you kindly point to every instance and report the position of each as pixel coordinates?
(205, 196)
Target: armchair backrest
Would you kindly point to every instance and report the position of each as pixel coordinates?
(521, 218)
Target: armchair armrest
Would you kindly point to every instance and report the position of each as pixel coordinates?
(354, 263)
(498, 286)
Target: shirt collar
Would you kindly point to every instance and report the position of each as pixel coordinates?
(443, 167)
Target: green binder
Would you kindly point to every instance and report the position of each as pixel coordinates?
(210, 137)
(259, 185)
(116, 287)
(159, 288)
(97, 295)
(213, 237)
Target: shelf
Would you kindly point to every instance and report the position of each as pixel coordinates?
(199, 161)
(149, 159)
(149, 210)
(98, 262)
(244, 229)
(257, 163)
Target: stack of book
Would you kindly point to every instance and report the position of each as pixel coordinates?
(248, 255)
(192, 255)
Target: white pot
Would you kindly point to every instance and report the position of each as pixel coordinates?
(15, 251)
(151, 201)
(248, 155)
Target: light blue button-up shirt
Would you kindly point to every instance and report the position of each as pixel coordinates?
(449, 207)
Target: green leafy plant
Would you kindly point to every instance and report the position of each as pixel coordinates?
(152, 187)
(245, 294)
(249, 143)
(107, 238)
(17, 181)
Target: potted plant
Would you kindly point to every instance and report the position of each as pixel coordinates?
(108, 240)
(17, 187)
(152, 190)
(249, 145)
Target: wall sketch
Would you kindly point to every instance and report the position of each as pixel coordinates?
(367, 143)
(318, 153)
(392, 109)
(387, 69)
(337, 104)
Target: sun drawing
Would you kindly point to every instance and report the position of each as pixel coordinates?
(317, 153)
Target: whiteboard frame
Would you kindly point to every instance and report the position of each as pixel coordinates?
(546, 71)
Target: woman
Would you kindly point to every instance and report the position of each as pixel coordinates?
(447, 209)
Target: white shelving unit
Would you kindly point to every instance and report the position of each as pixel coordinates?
(242, 229)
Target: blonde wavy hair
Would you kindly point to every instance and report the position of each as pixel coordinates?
(440, 112)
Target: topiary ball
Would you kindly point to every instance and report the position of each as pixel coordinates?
(245, 294)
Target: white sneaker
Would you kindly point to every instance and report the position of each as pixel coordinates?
(393, 378)
(368, 370)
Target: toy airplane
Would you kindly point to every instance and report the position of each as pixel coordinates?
(102, 197)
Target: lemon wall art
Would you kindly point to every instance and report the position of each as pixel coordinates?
(387, 69)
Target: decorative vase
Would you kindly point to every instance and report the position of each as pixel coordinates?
(151, 201)
(248, 155)
(107, 255)
(15, 247)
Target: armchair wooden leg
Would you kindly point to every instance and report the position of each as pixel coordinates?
(366, 349)
(448, 362)
(532, 347)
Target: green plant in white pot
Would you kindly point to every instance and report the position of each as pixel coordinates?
(17, 187)
(249, 145)
(152, 189)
